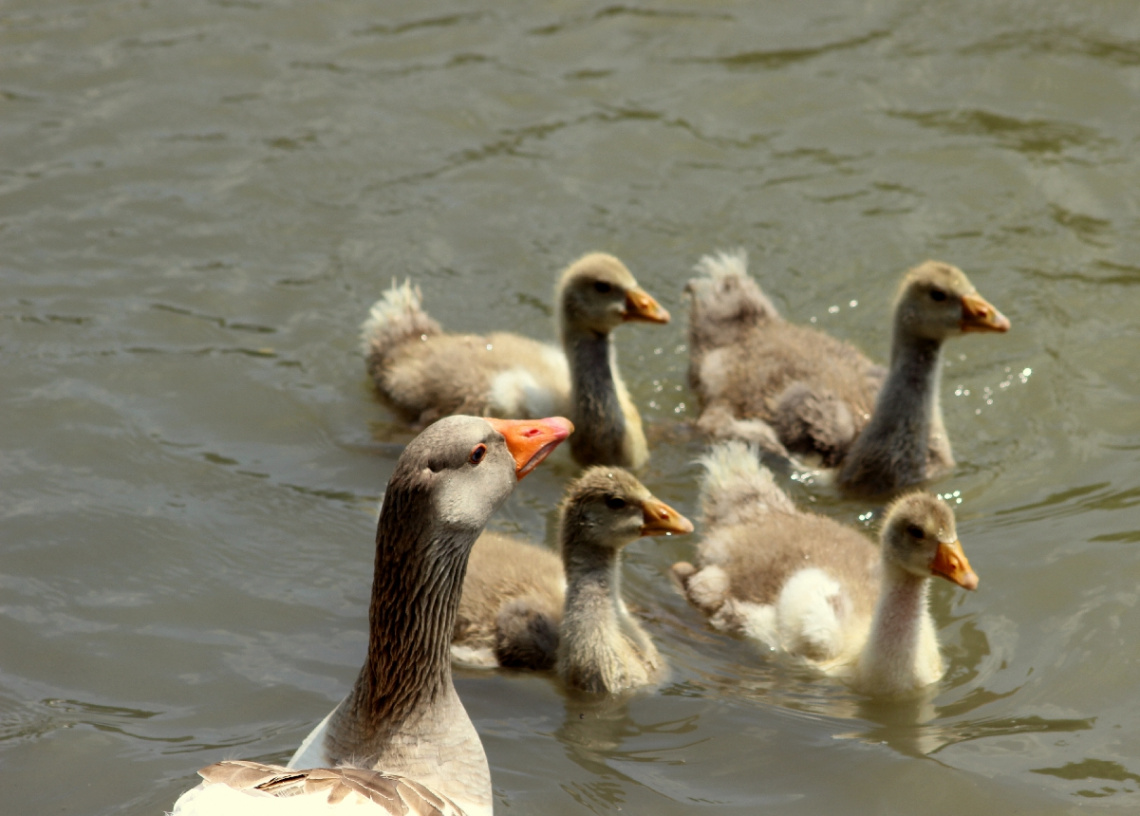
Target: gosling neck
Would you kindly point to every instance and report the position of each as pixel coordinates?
(405, 686)
(601, 647)
(593, 584)
(595, 398)
(901, 636)
(912, 384)
(892, 451)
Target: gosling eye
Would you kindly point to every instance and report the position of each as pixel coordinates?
(615, 502)
(937, 295)
(914, 531)
(477, 454)
(602, 288)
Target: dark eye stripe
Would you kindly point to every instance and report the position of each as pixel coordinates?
(914, 531)
(602, 287)
(938, 295)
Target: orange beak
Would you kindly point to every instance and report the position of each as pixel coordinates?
(950, 562)
(979, 315)
(531, 440)
(661, 519)
(640, 305)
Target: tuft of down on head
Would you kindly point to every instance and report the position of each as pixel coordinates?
(920, 536)
(725, 301)
(723, 265)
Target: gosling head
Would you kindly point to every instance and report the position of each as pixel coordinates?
(936, 301)
(609, 508)
(919, 535)
(598, 293)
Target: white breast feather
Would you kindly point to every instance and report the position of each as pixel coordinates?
(517, 392)
(311, 752)
(808, 613)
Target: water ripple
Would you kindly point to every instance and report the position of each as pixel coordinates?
(781, 57)
(1023, 135)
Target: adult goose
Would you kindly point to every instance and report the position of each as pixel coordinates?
(401, 741)
(792, 389)
(812, 587)
(422, 373)
(523, 607)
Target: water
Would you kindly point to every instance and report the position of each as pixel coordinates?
(200, 200)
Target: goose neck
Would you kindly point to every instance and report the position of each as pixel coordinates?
(418, 574)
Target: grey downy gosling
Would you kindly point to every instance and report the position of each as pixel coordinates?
(814, 588)
(524, 607)
(423, 373)
(794, 390)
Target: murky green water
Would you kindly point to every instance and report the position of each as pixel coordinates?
(199, 201)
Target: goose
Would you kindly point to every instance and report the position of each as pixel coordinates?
(401, 741)
(809, 586)
(422, 373)
(524, 607)
(792, 389)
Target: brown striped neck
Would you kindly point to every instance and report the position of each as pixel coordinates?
(419, 570)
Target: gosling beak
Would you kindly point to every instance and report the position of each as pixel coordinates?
(640, 305)
(979, 315)
(531, 440)
(661, 519)
(950, 563)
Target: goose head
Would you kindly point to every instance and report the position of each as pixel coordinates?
(919, 536)
(598, 293)
(936, 301)
(466, 466)
(609, 508)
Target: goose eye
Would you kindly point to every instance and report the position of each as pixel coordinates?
(602, 288)
(615, 503)
(477, 454)
(937, 295)
(914, 531)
